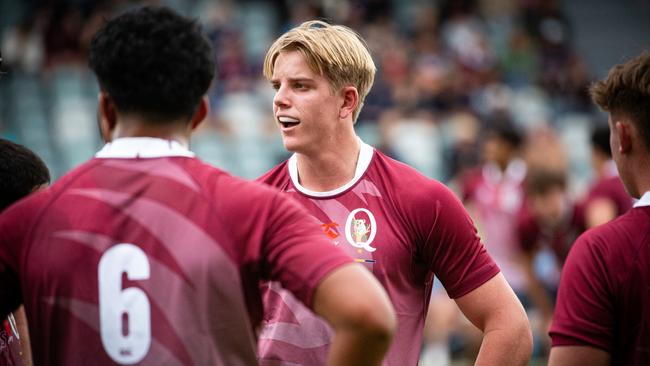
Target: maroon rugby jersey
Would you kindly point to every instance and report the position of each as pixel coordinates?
(403, 227)
(604, 295)
(533, 236)
(146, 254)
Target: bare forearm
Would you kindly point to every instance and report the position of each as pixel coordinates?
(23, 332)
(505, 347)
(360, 313)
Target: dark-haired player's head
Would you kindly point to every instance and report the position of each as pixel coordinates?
(601, 152)
(546, 193)
(600, 141)
(502, 142)
(151, 64)
(625, 95)
(21, 173)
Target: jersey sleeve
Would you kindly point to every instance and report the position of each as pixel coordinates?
(451, 247)
(584, 310)
(296, 251)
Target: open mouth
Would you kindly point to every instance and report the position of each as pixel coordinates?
(288, 122)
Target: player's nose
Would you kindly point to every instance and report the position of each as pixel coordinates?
(281, 99)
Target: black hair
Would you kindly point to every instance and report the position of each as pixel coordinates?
(600, 140)
(154, 63)
(21, 171)
(505, 130)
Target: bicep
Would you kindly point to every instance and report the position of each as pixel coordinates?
(578, 356)
(493, 304)
(351, 294)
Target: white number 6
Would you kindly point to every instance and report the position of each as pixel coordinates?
(124, 314)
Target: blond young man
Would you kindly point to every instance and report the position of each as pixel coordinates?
(403, 227)
(146, 255)
(602, 315)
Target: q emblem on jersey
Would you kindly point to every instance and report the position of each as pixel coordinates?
(360, 229)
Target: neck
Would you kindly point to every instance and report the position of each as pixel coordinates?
(328, 169)
(137, 128)
(641, 179)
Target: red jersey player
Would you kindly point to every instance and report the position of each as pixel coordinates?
(602, 315)
(147, 255)
(403, 227)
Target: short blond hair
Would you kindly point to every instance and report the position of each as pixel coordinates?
(334, 51)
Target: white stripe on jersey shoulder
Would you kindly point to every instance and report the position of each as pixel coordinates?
(365, 156)
(142, 147)
(643, 201)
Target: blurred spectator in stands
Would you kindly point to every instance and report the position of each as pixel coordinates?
(22, 45)
(62, 35)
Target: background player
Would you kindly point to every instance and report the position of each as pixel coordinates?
(399, 224)
(606, 198)
(21, 173)
(147, 255)
(602, 315)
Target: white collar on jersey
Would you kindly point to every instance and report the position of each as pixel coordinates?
(365, 156)
(643, 201)
(515, 171)
(142, 147)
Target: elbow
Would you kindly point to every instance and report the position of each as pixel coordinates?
(379, 322)
(523, 341)
(375, 322)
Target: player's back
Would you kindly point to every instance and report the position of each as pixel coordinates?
(604, 298)
(139, 260)
(625, 247)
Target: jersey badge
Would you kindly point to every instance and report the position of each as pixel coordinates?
(361, 229)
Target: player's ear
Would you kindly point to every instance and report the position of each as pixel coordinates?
(350, 101)
(107, 116)
(624, 135)
(201, 113)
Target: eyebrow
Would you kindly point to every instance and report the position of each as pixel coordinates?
(297, 79)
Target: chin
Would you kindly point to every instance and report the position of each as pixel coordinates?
(291, 146)
(295, 146)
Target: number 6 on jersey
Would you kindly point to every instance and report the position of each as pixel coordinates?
(124, 314)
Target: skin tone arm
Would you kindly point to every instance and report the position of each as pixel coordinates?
(23, 331)
(578, 356)
(359, 311)
(494, 309)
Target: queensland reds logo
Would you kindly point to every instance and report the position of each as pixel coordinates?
(360, 229)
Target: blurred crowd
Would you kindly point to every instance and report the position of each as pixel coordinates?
(488, 96)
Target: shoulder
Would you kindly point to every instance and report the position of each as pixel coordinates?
(406, 180)
(17, 221)
(614, 243)
(423, 199)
